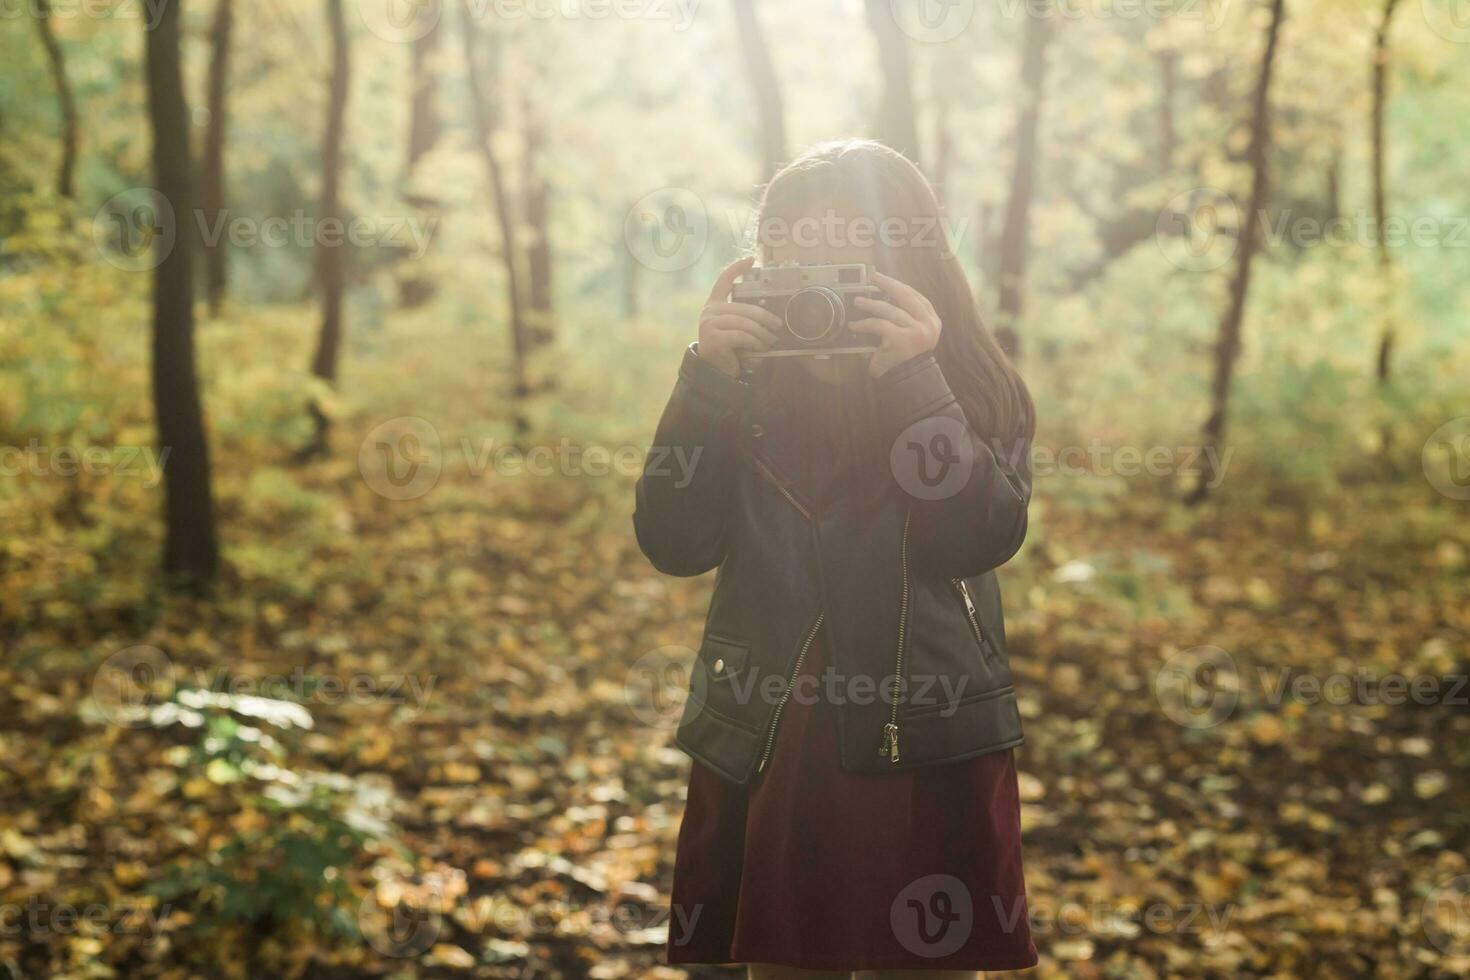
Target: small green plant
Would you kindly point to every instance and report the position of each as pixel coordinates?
(284, 868)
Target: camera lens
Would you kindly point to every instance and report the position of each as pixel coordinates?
(813, 313)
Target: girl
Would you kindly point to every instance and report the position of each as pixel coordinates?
(853, 804)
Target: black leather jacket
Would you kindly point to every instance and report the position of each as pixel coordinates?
(901, 577)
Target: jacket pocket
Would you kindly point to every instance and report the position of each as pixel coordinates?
(946, 708)
(973, 615)
(723, 657)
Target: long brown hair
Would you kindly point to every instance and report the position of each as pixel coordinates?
(863, 178)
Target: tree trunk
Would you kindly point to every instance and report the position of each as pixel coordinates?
(943, 144)
(485, 118)
(1168, 86)
(987, 240)
(424, 129)
(424, 124)
(1333, 206)
(212, 192)
(762, 75)
(897, 118)
(1227, 348)
(1023, 181)
(534, 193)
(190, 553)
(1380, 194)
(65, 176)
(630, 268)
(332, 253)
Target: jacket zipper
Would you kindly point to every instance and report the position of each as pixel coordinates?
(811, 634)
(766, 472)
(964, 592)
(889, 745)
(786, 694)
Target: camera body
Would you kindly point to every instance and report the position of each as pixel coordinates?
(816, 304)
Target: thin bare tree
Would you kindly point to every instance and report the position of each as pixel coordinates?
(332, 254)
(190, 551)
(1332, 191)
(1013, 235)
(212, 171)
(485, 118)
(1168, 61)
(536, 202)
(949, 73)
(1227, 347)
(70, 139)
(770, 111)
(1381, 57)
(424, 129)
(897, 123)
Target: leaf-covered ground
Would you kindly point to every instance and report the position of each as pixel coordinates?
(416, 737)
(533, 797)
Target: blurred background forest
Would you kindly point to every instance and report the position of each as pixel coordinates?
(331, 336)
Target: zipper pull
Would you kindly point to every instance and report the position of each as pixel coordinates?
(964, 590)
(889, 746)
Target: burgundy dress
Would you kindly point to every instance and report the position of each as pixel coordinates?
(814, 867)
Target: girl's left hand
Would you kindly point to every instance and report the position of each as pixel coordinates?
(905, 328)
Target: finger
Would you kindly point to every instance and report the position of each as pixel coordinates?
(885, 330)
(740, 325)
(726, 281)
(888, 312)
(721, 324)
(906, 296)
(747, 310)
(739, 340)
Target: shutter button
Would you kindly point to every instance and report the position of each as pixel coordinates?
(720, 666)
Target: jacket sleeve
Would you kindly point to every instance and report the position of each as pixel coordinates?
(968, 496)
(683, 496)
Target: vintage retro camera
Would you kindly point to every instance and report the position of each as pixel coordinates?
(816, 302)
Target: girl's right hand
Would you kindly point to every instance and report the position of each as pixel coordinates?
(727, 328)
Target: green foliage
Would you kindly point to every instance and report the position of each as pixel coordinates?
(304, 831)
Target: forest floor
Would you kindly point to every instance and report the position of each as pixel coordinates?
(413, 737)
